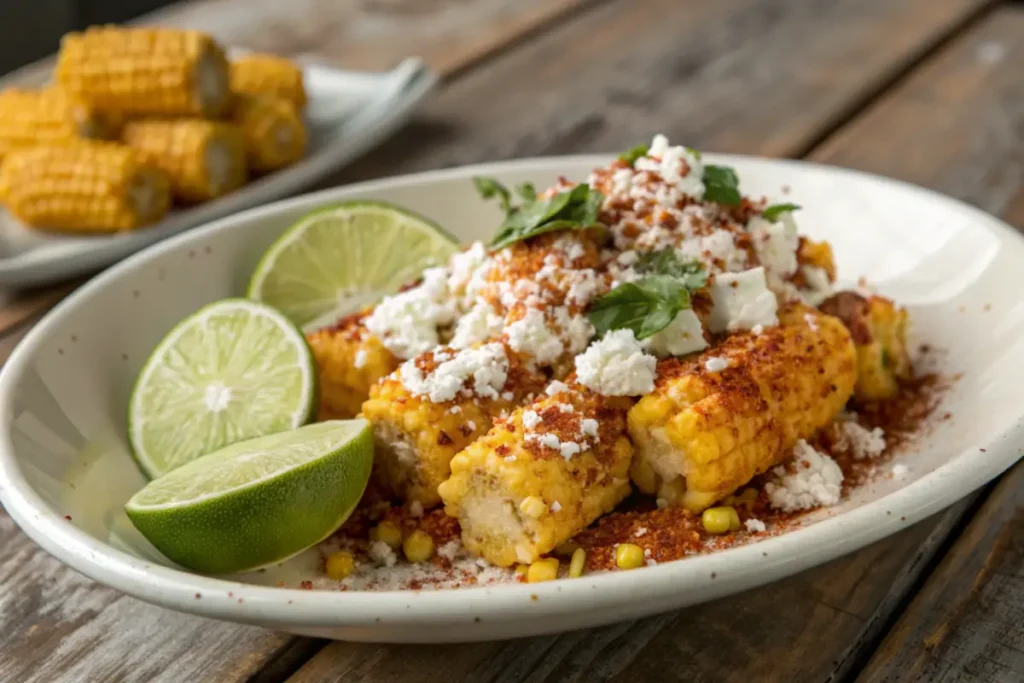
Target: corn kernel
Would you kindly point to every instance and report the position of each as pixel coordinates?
(629, 556)
(734, 519)
(533, 506)
(387, 532)
(747, 498)
(717, 520)
(543, 570)
(521, 570)
(418, 546)
(579, 556)
(567, 549)
(339, 565)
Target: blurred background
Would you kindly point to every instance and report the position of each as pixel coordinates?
(31, 29)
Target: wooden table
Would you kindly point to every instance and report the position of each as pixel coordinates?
(930, 91)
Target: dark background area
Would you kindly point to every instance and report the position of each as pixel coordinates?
(30, 29)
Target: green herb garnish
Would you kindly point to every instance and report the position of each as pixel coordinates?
(721, 185)
(632, 155)
(667, 261)
(573, 209)
(648, 305)
(773, 212)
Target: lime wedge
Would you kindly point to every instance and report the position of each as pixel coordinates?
(335, 261)
(259, 501)
(231, 371)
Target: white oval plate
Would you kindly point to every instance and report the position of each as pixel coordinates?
(63, 395)
(348, 113)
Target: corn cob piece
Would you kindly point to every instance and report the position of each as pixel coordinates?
(349, 360)
(163, 72)
(518, 496)
(417, 437)
(49, 116)
(817, 255)
(879, 330)
(262, 74)
(702, 434)
(204, 159)
(275, 135)
(82, 187)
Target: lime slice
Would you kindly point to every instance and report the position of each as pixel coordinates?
(231, 371)
(259, 501)
(337, 260)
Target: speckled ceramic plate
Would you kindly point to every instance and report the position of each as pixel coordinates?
(65, 470)
(348, 114)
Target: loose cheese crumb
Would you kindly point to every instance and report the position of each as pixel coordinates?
(360, 360)
(811, 321)
(899, 470)
(455, 410)
(616, 365)
(487, 367)
(717, 251)
(469, 271)
(481, 323)
(862, 443)
(510, 458)
(416, 508)
(531, 419)
(569, 449)
(640, 532)
(776, 244)
(741, 301)
(816, 481)
(588, 427)
(556, 506)
(819, 287)
(407, 322)
(666, 161)
(682, 336)
(716, 364)
(556, 387)
(755, 526)
(532, 336)
(381, 553)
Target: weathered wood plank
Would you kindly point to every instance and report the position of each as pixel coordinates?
(967, 623)
(20, 307)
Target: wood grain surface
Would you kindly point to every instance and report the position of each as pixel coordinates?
(773, 77)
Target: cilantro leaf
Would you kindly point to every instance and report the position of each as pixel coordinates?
(489, 188)
(721, 185)
(689, 272)
(632, 155)
(695, 152)
(772, 213)
(570, 210)
(527, 191)
(646, 306)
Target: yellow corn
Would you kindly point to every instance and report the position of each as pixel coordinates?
(719, 520)
(416, 439)
(543, 570)
(83, 187)
(339, 565)
(275, 135)
(418, 546)
(818, 255)
(145, 71)
(261, 74)
(879, 330)
(49, 116)
(492, 478)
(629, 556)
(701, 435)
(387, 532)
(349, 361)
(204, 159)
(579, 558)
(522, 571)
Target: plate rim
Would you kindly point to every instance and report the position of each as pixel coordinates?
(736, 569)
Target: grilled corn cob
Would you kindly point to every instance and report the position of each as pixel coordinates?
(163, 72)
(48, 116)
(517, 496)
(879, 330)
(416, 437)
(261, 74)
(349, 361)
(204, 159)
(83, 187)
(275, 136)
(702, 434)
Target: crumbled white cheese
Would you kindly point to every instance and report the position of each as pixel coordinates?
(469, 271)
(666, 161)
(899, 470)
(556, 506)
(449, 550)
(819, 287)
(584, 286)
(507, 395)
(811, 321)
(526, 291)
(616, 365)
(576, 329)
(471, 425)
(531, 419)
(360, 360)
(716, 364)
(741, 301)
(862, 443)
(816, 481)
(481, 323)
(640, 532)
(572, 245)
(381, 553)
(755, 526)
(717, 251)
(407, 322)
(588, 427)
(567, 408)
(532, 336)
(486, 366)
(682, 336)
(569, 449)
(510, 458)
(757, 329)
(776, 244)
(416, 508)
(556, 387)
(455, 410)
(628, 258)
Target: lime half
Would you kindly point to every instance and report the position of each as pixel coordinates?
(337, 260)
(259, 501)
(231, 371)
